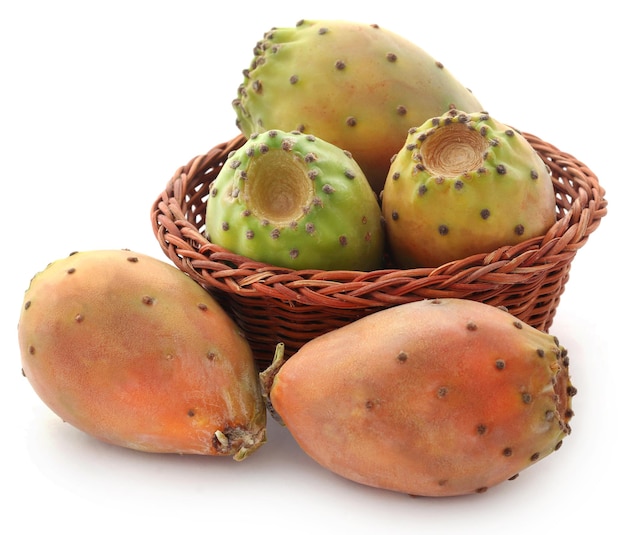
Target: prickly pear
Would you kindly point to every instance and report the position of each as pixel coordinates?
(296, 201)
(132, 351)
(358, 86)
(462, 184)
(434, 398)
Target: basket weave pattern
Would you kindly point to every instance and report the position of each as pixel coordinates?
(273, 304)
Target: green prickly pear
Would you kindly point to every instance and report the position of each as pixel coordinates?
(358, 86)
(433, 398)
(296, 201)
(132, 351)
(462, 184)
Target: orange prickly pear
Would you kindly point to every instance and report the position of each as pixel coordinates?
(132, 351)
(434, 398)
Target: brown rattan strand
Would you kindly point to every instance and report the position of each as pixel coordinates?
(273, 304)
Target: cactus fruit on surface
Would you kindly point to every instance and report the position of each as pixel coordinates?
(433, 398)
(463, 184)
(357, 86)
(132, 351)
(294, 200)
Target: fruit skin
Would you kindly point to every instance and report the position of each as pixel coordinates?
(434, 398)
(494, 190)
(132, 351)
(358, 86)
(296, 201)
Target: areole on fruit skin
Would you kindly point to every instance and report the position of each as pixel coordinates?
(295, 201)
(464, 183)
(133, 352)
(357, 86)
(433, 398)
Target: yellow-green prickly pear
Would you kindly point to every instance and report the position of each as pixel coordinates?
(296, 201)
(358, 86)
(462, 184)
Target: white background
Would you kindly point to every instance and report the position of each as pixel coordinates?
(100, 102)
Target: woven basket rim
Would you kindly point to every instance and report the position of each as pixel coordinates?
(178, 226)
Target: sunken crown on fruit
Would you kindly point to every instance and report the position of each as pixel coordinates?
(462, 184)
(295, 201)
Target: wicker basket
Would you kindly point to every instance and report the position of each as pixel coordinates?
(273, 304)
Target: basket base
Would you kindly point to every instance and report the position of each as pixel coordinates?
(266, 323)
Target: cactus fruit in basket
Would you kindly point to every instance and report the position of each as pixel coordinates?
(358, 86)
(433, 398)
(132, 351)
(461, 184)
(296, 201)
